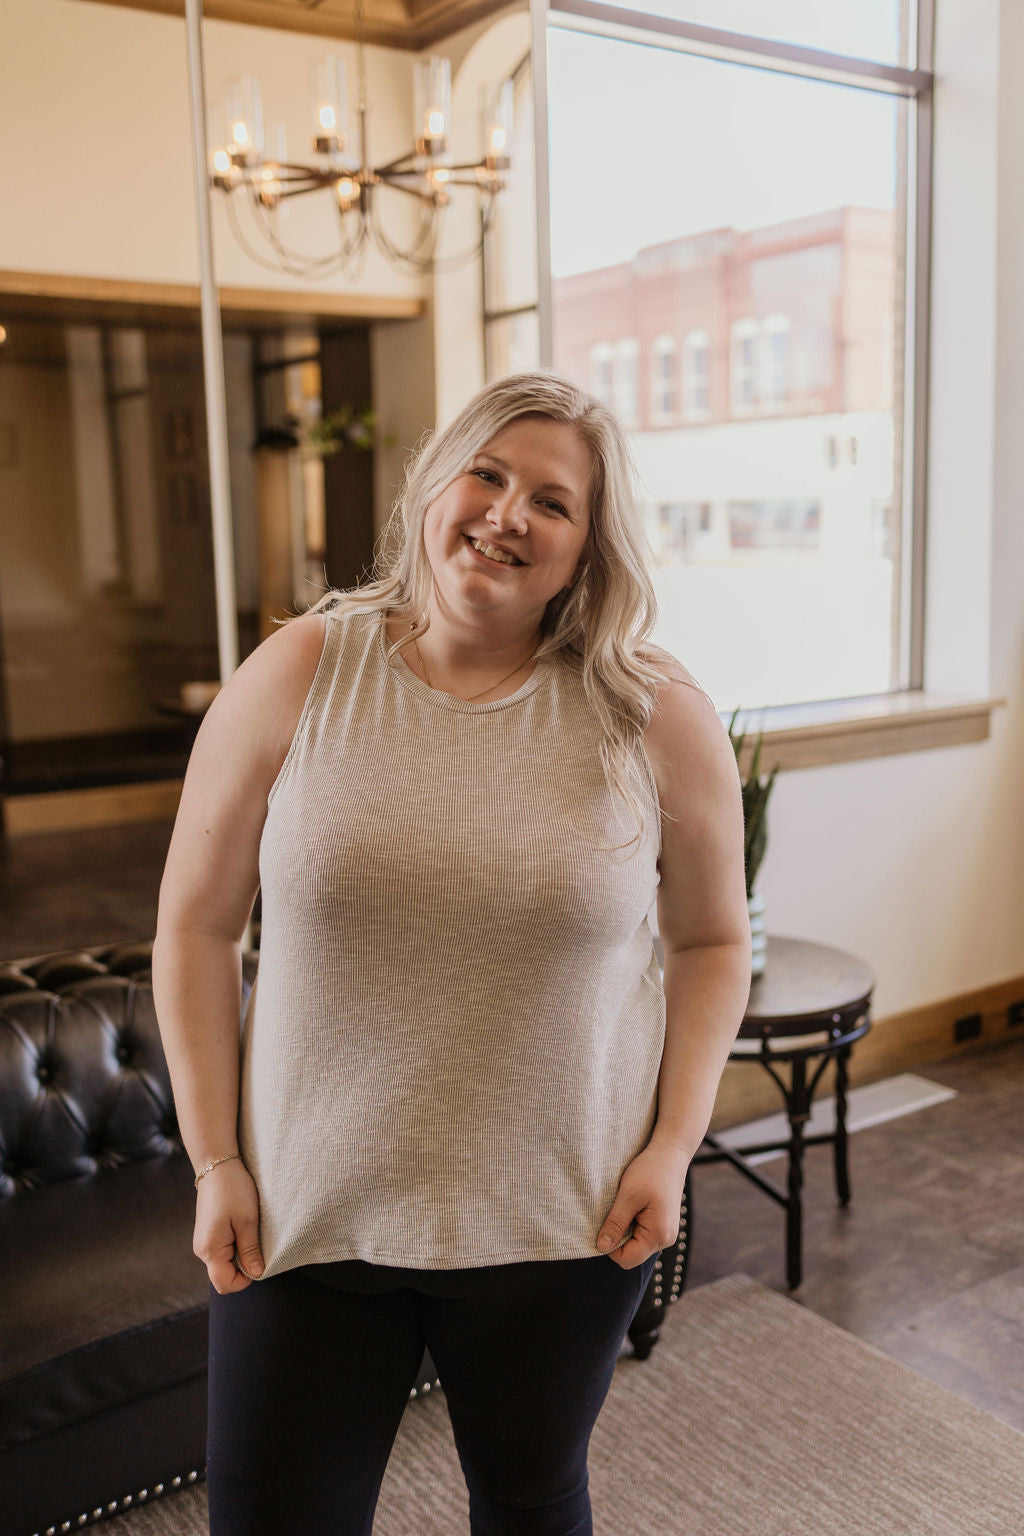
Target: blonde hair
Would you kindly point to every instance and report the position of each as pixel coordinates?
(599, 624)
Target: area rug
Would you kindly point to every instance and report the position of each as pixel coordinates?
(752, 1417)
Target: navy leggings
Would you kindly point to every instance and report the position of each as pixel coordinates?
(311, 1370)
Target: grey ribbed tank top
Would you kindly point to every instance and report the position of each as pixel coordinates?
(452, 1048)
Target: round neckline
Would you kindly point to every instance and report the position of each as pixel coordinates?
(436, 696)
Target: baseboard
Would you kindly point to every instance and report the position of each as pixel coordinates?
(898, 1042)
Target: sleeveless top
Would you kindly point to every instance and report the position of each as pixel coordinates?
(452, 1047)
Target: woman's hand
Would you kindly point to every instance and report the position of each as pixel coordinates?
(650, 1196)
(227, 1218)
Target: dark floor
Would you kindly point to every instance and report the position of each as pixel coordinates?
(69, 890)
(927, 1263)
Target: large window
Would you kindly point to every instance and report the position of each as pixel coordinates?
(736, 265)
(511, 336)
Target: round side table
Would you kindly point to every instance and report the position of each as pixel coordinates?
(807, 1008)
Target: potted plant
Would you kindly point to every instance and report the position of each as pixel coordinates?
(755, 835)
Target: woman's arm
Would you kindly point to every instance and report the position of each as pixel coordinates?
(703, 917)
(207, 892)
(705, 930)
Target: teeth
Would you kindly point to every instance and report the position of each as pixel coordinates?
(492, 553)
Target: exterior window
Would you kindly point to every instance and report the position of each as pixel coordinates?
(678, 524)
(624, 380)
(774, 358)
(744, 380)
(601, 372)
(663, 377)
(697, 373)
(789, 525)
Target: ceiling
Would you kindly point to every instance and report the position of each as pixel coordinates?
(411, 24)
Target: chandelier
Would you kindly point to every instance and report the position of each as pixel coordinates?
(427, 172)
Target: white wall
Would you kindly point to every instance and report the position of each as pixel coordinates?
(94, 117)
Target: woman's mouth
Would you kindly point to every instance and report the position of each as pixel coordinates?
(490, 552)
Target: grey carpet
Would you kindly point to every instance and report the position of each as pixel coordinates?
(752, 1417)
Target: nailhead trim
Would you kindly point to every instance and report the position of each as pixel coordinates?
(129, 1498)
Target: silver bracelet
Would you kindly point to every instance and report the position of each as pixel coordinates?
(216, 1160)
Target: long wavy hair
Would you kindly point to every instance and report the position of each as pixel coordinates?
(600, 624)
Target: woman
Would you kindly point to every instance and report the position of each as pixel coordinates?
(465, 1102)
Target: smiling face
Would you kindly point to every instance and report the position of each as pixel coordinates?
(509, 533)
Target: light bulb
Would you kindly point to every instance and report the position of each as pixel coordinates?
(327, 79)
(221, 162)
(240, 134)
(432, 94)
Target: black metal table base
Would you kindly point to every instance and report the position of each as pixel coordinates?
(798, 1094)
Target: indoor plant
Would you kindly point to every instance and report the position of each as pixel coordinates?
(755, 835)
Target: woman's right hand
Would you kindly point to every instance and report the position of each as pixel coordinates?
(227, 1219)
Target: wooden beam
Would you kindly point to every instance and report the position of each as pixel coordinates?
(68, 810)
(66, 295)
(389, 23)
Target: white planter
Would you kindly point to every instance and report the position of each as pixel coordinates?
(758, 936)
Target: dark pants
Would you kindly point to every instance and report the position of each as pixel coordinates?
(311, 1370)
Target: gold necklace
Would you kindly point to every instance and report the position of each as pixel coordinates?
(490, 686)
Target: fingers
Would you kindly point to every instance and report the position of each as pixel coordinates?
(225, 1278)
(247, 1246)
(227, 1229)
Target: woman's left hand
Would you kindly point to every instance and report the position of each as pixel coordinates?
(650, 1196)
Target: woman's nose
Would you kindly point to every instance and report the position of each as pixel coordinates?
(508, 511)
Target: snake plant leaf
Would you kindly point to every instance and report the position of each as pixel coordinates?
(755, 794)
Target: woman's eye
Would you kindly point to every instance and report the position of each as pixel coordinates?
(556, 506)
(487, 474)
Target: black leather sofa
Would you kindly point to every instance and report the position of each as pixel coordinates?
(103, 1306)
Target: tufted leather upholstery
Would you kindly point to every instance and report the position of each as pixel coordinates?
(103, 1305)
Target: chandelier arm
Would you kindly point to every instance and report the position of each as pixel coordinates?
(353, 247)
(420, 192)
(407, 257)
(299, 266)
(311, 264)
(452, 263)
(346, 260)
(427, 264)
(409, 158)
(426, 227)
(310, 174)
(250, 252)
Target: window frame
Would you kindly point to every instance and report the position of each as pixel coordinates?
(915, 87)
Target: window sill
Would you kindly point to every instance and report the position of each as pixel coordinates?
(844, 730)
